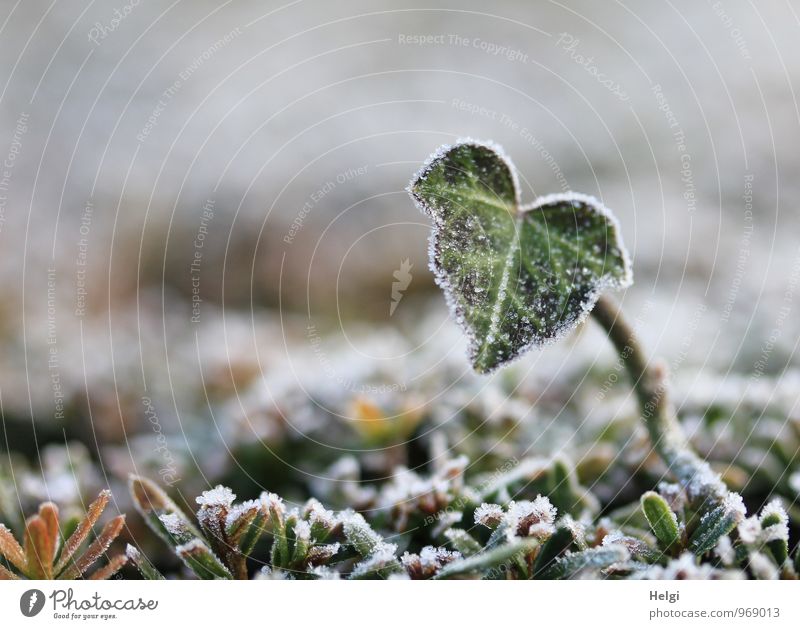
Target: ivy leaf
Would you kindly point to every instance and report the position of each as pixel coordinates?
(515, 276)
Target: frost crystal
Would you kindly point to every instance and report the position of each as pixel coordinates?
(489, 515)
(302, 530)
(319, 516)
(428, 562)
(240, 510)
(514, 276)
(218, 497)
(531, 518)
(273, 503)
(734, 505)
(173, 523)
(685, 567)
(360, 534)
(322, 553)
(725, 551)
(794, 482)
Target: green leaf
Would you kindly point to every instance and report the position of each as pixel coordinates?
(719, 521)
(462, 541)
(779, 546)
(152, 502)
(489, 561)
(515, 276)
(202, 561)
(147, 569)
(558, 544)
(662, 520)
(593, 559)
(360, 535)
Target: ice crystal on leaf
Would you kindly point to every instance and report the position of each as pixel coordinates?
(220, 496)
(489, 515)
(515, 276)
(531, 518)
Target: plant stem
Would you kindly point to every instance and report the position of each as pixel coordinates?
(649, 383)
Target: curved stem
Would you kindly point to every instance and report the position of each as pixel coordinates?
(649, 383)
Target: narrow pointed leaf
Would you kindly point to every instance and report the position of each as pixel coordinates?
(10, 549)
(110, 569)
(202, 561)
(7, 575)
(38, 549)
(143, 564)
(95, 550)
(514, 276)
(571, 565)
(719, 521)
(153, 503)
(84, 528)
(492, 560)
(558, 543)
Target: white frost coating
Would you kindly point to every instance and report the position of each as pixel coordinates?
(192, 546)
(779, 530)
(602, 284)
(302, 530)
(734, 505)
(749, 530)
(444, 150)
(361, 535)
(324, 572)
(273, 503)
(382, 557)
(794, 483)
(724, 550)
(531, 518)
(173, 523)
(132, 553)
(220, 496)
(763, 567)
(322, 553)
(489, 515)
(600, 208)
(240, 510)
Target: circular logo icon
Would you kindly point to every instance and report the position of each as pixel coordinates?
(31, 602)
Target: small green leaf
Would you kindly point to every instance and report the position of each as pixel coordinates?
(558, 543)
(662, 520)
(570, 566)
(360, 535)
(153, 503)
(463, 542)
(489, 561)
(719, 521)
(146, 569)
(202, 561)
(775, 521)
(515, 276)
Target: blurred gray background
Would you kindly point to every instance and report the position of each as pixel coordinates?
(298, 125)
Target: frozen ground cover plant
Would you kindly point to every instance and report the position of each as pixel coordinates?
(55, 550)
(517, 276)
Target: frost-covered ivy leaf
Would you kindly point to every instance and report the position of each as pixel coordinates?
(514, 275)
